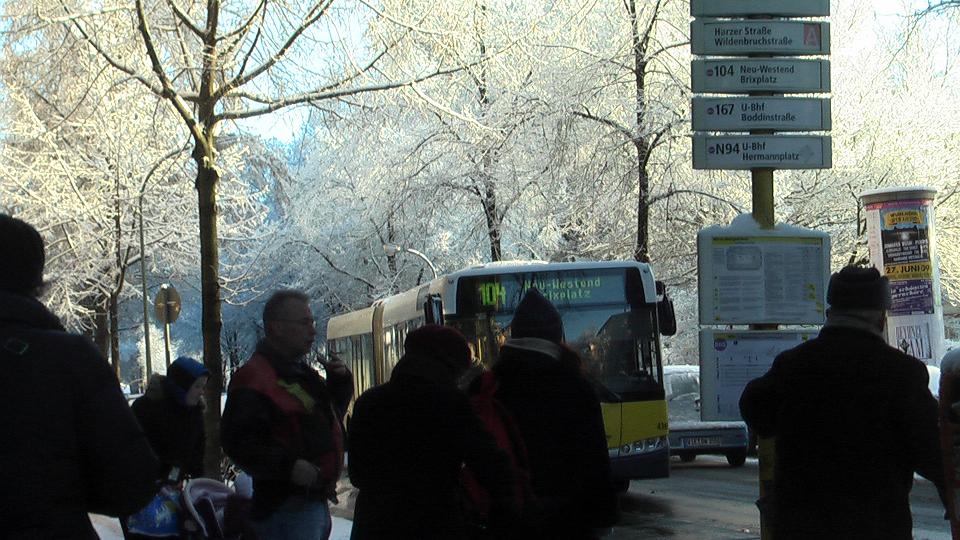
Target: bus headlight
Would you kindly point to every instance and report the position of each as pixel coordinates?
(644, 446)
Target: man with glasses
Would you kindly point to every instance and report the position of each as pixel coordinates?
(282, 424)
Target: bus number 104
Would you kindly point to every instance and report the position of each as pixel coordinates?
(492, 294)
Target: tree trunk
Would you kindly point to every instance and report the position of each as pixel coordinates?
(114, 306)
(114, 299)
(207, 180)
(489, 196)
(392, 257)
(101, 325)
(642, 250)
(493, 219)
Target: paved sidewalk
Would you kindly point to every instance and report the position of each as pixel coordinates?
(108, 528)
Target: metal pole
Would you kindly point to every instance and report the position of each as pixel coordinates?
(166, 339)
(762, 190)
(763, 214)
(425, 259)
(146, 308)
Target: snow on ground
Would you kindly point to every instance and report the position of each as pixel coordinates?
(109, 528)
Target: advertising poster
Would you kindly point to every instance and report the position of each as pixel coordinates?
(912, 335)
(731, 359)
(900, 235)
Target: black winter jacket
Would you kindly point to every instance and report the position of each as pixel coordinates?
(853, 420)
(175, 431)
(558, 413)
(278, 412)
(70, 443)
(408, 440)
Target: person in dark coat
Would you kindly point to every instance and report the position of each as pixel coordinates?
(409, 439)
(171, 415)
(70, 445)
(282, 424)
(558, 413)
(853, 420)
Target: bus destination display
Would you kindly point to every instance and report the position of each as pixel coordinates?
(499, 293)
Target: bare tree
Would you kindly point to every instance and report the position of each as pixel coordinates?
(217, 62)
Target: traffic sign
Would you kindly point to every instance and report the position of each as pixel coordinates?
(777, 37)
(740, 76)
(167, 304)
(740, 8)
(762, 152)
(754, 113)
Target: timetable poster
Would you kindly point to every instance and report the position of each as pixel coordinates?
(765, 279)
(729, 360)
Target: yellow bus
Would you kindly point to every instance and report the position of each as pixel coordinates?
(613, 315)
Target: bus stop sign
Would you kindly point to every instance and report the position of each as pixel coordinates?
(167, 304)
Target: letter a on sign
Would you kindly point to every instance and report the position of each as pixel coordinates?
(811, 35)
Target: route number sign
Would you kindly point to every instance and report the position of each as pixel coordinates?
(730, 152)
(760, 113)
(740, 76)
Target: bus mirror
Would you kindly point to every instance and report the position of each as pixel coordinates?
(433, 310)
(666, 317)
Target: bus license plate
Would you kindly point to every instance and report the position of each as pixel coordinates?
(696, 442)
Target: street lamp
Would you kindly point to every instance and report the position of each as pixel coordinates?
(393, 249)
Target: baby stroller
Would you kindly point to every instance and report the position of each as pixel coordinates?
(212, 510)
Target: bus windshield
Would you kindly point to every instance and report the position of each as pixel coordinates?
(614, 337)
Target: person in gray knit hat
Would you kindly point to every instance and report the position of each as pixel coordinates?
(853, 420)
(71, 446)
(541, 384)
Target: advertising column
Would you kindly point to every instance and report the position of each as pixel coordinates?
(900, 235)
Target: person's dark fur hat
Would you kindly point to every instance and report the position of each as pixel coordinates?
(859, 288)
(536, 317)
(21, 269)
(440, 342)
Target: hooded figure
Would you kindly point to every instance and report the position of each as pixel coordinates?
(408, 439)
(853, 420)
(171, 414)
(70, 444)
(558, 414)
